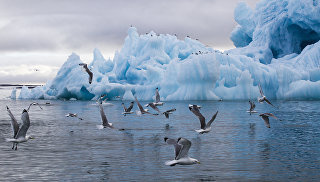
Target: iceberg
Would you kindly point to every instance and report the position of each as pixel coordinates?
(277, 46)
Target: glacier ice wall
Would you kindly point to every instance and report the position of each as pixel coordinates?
(277, 47)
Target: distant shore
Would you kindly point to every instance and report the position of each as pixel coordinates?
(19, 86)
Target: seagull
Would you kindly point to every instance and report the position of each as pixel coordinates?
(252, 106)
(157, 101)
(153, 106)
(104, 119)
(19, 133)
(85, 66)
(168, 112)
(33, 104)
(263, 97)
(141, 110)
(73, 115)
(181, 148)
(205, 128)
(265, 117)
(127, 110)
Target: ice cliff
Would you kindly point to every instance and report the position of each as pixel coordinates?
(277, 46)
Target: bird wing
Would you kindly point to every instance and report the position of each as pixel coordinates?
(270, 114)
(154, 107)
(211, 120)
(25, 125)
(157, 96)
(186, 144)
(14, 123)
(124, 108)
(103, 116)
(90, 75)
(177, 147)
(166, 114)
(139, 105)
(268, 102)
(171, 110)
(130, 107)
(260, 89)
(266, 120)
(194, 109)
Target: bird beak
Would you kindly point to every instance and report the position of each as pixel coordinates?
(31, 137)
(198, 162)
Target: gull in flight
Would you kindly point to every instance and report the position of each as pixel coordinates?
(265, 117)
(205, 128)
(104, 119)
(85, 66)
(33, 104)
(153, 106)
(141, 110)
(252, 106)
(19, 133)
(168, 112)
(181, 148)
(73, 115)
(263, 97)
(127, 110)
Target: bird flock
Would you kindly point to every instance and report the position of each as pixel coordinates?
(181, 145)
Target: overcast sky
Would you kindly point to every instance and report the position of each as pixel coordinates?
(41, 34)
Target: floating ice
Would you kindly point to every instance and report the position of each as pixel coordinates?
(277, 46)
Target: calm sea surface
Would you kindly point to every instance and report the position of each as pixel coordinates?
(239, 147)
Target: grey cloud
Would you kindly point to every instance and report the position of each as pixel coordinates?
(41, 25)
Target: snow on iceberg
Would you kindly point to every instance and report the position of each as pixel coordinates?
(277, 46)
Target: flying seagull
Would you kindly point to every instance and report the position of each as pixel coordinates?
(73, 115)
(252, 106)
(265, 117)
(85, 66)
(141, 110)
(33, 104)
(127, 110)
(205, 128)
(263, 97)
(181, 148)
(19, 133)
(104, 119)
(153, 106)
(168, 112)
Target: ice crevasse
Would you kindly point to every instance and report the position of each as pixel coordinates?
(277, 46)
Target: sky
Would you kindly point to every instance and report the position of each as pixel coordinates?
(41, 34)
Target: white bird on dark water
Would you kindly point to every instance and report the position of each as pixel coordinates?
(127, 110)
(19, 133)
(265, 117)
(104, 119)
(85, 66)
(73, 115)
(181, 148)
(205, 128)
(263, 97)
(168, 112)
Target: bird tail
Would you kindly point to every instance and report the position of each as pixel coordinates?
(10, 139)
